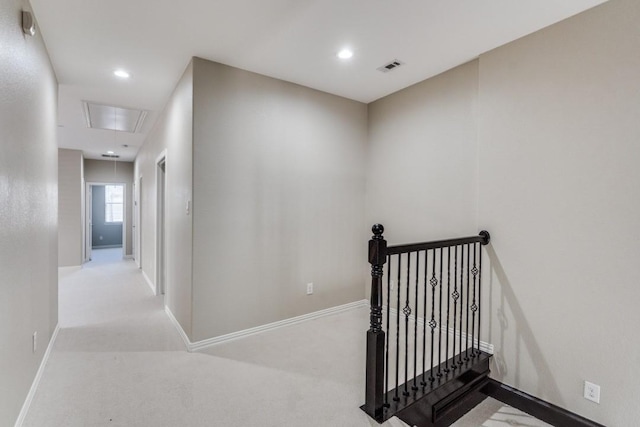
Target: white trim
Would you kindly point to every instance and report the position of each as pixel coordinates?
(181, 331)
(128, 256)
(484, 346)
(279, 324)
(199, 345)
(149, 282)
(69, 269)
(137, 231)
(161, 213)
(36, 380)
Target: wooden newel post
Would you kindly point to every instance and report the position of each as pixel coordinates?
(374, 397)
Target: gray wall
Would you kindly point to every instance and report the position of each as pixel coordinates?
(278, 199)
(543, 133)
(103, 234)
(70, 199)
(559, 183)
(422, 158)
(28, 207)
(173, 133)
(105, 171)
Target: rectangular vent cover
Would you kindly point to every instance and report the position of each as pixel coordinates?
(390, 66)
(111, 156)
(109, 117)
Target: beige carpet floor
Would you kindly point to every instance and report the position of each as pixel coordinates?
(118, 361)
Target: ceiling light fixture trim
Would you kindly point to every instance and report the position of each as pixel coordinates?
(345, 54)
(123, 74)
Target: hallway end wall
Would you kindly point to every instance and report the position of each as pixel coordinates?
(28, 207)
(279, 176)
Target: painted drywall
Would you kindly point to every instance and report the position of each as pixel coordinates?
(28, 207)
(422, 159)
(108, 171)
(173, 133)
(70, 219)
(559, 182)
(103, 234)
(278, 196)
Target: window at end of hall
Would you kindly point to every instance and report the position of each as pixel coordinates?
(113, 203)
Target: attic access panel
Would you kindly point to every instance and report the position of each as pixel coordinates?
(109, 117)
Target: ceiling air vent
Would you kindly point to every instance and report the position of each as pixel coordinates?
(111, 156)
(109, 117)
(390, 66)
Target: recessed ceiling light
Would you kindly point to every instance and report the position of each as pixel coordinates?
(345, 54)
(122, 74)
(110, 152)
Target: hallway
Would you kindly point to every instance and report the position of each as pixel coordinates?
(118, 361)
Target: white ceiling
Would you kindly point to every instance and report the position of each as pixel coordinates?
(293, 40)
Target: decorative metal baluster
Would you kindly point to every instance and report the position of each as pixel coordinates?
(446, 351)
(440, 320)
(415, 327)
(386, 356)
(455, 295)
(479, 294)
(466, 356)
(396, 397)
(461, 301)
(474, 306)
(432, 322)
(424, 320)
(407, 312)
(448, 297)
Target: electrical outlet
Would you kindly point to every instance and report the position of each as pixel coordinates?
(592, 392)
(35, 341)
(309, 288)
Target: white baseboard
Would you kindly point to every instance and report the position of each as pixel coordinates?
(69, 269)
(36, 380)
(199, 345)
(149, 282)
(181, 331)
(128, 257)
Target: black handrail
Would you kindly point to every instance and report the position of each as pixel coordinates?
(377, 370)
(483, 238)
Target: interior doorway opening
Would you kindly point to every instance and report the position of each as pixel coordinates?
(105, 218)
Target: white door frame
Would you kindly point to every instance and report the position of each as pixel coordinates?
(137, 254)
(87, 223)
(88, 218)
(161, 204)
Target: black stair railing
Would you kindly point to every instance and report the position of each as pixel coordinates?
(431, 331)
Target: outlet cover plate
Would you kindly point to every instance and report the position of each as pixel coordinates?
(592, 392)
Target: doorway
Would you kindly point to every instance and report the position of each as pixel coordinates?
(161, 270)
(105, 219)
